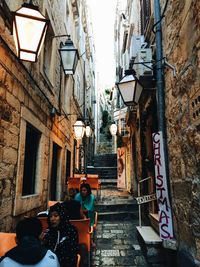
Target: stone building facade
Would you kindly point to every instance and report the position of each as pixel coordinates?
(37, 145)
(181, 42)
(180, 69)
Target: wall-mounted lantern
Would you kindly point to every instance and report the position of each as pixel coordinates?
(69, 56)
(130, 88)
(79, 129)
(113, 129)
(29, 30)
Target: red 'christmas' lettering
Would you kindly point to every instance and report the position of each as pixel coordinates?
(158, 189)
(163, 215)
(165, 234)
(164, 202)
(159, 180)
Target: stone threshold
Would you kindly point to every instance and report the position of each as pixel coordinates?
(149, 235)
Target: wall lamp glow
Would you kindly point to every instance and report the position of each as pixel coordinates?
(113, 129)
(29, 30)
(79, 129)
(130, 88)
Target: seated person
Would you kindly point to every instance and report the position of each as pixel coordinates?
(72, 206)
(87, 201)
(29, 251)
(62, 237)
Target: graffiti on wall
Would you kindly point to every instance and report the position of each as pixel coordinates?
(121, 171)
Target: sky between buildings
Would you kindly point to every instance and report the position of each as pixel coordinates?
(103, 19)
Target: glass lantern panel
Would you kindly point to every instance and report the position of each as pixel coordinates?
(138, 92)
(68, 60)
(27, 56)
(127, 90)
(29, 32)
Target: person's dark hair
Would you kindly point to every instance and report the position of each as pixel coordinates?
(29, 227)
(88, 188)
(63, 213)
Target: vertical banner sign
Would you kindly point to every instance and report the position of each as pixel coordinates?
(121, 174)
(165, 214)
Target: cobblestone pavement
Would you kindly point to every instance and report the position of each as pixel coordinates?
(116, 245)
(116, 242)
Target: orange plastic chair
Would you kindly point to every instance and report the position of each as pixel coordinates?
(7, 241)
(95, 220)
(78, 260)
(84, 231)
(44, 222)
(79, 175)
(73, 183)
(92, 175)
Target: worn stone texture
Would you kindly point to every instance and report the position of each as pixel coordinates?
(116, 239)
(27, 95)
(181, 32)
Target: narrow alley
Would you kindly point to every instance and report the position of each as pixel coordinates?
(100, 98)
(116, 237)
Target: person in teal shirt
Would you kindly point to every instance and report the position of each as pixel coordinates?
(87, 201)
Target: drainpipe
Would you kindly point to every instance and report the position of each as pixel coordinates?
(84, 116)
(159, 71)
(160, 85)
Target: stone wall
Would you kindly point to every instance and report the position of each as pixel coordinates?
(181, 32)
(27, 96)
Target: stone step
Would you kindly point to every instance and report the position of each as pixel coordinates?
(118, 215)
(109, 181)
(105, 160)
(117, 207)
(101, 169)
(104, 173)
(151, 245)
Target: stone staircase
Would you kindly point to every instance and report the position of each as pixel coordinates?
(117, 241)
(105, 165)
(115, 237)
(117, 207)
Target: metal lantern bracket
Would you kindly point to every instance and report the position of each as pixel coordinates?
(143, 63)
(165, 63)
(54, 112)
(143, 80)
(66, 115)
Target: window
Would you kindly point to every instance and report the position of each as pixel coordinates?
(32, 174)
(54, 171)
(49, 56)
(30, 160)
(68, 164)
(145, 14)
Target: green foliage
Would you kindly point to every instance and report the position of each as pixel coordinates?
(107, 91)
(105, 127)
